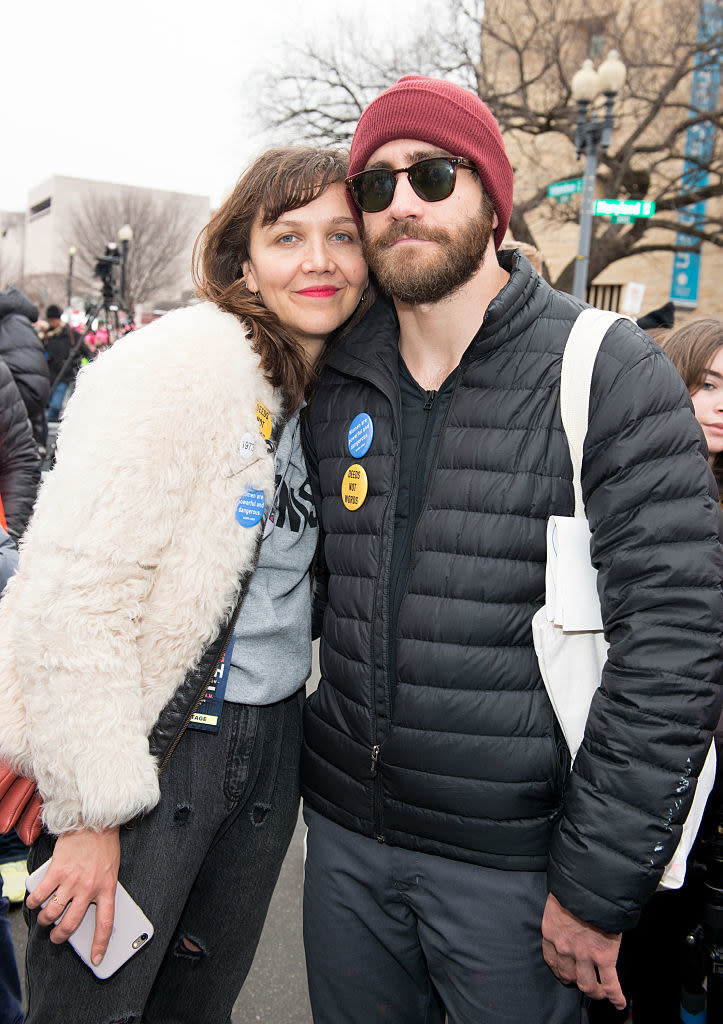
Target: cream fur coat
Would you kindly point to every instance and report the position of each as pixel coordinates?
(131, 561)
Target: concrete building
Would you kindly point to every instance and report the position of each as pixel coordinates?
(78, 214)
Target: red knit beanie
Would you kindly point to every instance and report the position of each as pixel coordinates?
(444, 115)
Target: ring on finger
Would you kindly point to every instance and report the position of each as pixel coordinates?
(54, 899)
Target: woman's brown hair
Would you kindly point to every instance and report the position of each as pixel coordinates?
(692, 348)
(278, 181)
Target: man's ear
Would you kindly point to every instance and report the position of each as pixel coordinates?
(496, 221)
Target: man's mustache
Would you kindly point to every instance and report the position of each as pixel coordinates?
(408, 229)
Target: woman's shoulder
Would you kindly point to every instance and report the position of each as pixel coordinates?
(199, 333)
(200, 347)
(197, 361)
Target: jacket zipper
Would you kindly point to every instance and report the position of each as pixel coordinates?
(217, 662)
(376, 752)
(382, 589)
(278, 430)
(197, 702)
(377, 794)
(414, 505)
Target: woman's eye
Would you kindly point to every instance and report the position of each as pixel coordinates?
(707, 385)
(342, 236)
(286, 239)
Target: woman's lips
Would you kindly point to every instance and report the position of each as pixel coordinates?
(319, 292)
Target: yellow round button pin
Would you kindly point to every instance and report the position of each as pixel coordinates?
(354, 487)
(263, 417)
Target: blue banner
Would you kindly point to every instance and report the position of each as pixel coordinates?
(698, 153)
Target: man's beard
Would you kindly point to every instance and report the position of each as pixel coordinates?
(414, 278)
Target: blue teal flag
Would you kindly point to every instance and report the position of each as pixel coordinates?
(698, 153)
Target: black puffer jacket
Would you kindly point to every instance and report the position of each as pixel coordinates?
(23, 351)
(469, 762)
(19, 462)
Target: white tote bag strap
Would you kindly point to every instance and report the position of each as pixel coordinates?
(578, 361)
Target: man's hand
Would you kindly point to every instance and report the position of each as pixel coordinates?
(83, 870)
(579, 953)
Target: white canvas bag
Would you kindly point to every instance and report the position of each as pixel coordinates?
(568, 631)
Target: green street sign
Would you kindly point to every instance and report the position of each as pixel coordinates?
(562, 190)
(623, 218)
(624, 208)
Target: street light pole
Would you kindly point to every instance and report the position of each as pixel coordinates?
(125, 234)
(71, 253)
(591, 136)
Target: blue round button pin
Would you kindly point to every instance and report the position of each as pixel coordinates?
(360, 435)
(250, 508)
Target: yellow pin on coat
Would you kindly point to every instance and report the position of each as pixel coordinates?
(263, 417)
(354, 487)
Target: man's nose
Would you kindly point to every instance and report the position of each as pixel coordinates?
(405, 202)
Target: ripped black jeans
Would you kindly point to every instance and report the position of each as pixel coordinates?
(202, 866)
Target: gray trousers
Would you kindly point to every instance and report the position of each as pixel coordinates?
(398, 937)
(202, 866)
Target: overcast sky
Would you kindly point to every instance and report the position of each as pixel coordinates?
(156, 93)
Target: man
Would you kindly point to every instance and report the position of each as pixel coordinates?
(19, 463)
(22, 351)
(452, 855)
(19, 479)
(58, 341)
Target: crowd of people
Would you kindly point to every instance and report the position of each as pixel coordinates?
(356, 435)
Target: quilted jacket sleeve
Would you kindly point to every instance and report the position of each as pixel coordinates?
(653, 510)
(19, 462)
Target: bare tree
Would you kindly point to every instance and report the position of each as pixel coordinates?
(520, 56)
(11, 253)
(163, 232)
(44, 289)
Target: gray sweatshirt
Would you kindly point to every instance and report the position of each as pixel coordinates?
(272, 643)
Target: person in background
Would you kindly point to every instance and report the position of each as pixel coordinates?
(696, 350)
(23, 352)
(19, 462)
(59, 342)
(19, 479)
(169, 557)
(661, 319)
(13, 853)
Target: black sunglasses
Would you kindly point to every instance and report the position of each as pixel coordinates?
(433, 179)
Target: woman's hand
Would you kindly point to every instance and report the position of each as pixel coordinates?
(83, 870)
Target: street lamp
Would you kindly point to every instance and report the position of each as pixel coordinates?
(71, 253)
(125, 235)
(590, 136)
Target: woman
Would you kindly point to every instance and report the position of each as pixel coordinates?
(179, 501)
(696, 349)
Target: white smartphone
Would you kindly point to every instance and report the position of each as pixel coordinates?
(131, 929)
